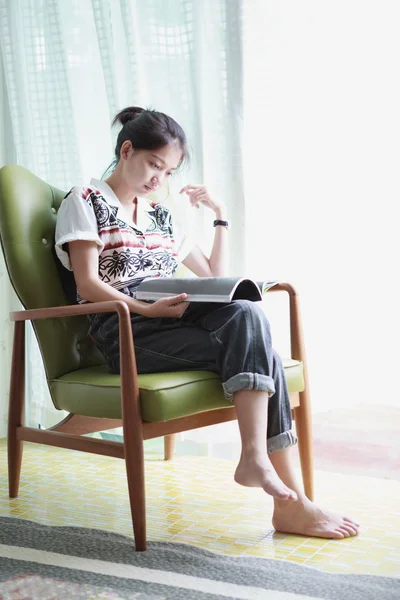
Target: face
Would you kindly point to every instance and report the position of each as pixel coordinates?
(145, 171)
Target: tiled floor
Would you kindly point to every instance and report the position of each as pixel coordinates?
(194, 500)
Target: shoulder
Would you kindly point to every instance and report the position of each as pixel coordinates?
(78, 209)
(83, 194)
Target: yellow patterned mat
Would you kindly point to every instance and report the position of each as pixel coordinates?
(194, 500)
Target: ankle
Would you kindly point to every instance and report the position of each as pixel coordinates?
(253, 455)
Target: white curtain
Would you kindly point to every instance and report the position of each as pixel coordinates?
(70, 65)
(8, 301)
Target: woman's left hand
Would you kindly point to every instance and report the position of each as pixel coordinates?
(198, 194)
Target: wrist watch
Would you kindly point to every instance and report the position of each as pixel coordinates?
(222, 223)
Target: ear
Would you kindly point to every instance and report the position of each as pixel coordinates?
(125, 149)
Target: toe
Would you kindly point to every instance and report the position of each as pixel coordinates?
(338, 535)
(352, 530)
(345, 531)
(281, 494)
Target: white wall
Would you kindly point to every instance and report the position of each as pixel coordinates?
(322, 159)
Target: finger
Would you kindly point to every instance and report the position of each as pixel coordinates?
(177, 310)
(200, 198)
(190, 188)
(182, 308)
(175, 299)
(198, 194)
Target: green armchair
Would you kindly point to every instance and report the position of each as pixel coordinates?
(146, 406)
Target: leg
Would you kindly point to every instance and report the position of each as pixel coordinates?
(304, 517)
(254, 468)
(16, 408)
(279, 433)
(261, 434)
(231, 339)
(252, 371)
(169, 444)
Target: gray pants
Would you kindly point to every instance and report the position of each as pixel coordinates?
(232, 339)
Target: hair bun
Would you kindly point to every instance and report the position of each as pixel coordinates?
(127, 114)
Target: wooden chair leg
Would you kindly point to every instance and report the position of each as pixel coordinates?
(133, 430)
(134, 459)
(16, 408)
(304, 434)
(169, 445)
(302, 413)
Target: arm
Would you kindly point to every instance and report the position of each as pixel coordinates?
(196, 261)
(84, 259)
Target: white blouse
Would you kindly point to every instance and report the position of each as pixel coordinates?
(127, 251)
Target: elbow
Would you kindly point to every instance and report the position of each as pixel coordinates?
(86, 290)
(219, 271)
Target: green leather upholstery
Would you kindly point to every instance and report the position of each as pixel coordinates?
(28, 212)
(78, 379)
(94, 392)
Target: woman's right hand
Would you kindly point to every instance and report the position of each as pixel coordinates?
(172, 307)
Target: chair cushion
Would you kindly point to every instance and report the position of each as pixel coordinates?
(94, 392)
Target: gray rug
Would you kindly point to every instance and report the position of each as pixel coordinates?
(74, 562)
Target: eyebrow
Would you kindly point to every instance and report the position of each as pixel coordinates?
(162, 160)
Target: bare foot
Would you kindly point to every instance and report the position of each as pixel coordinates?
(305, 518)
(261, 473)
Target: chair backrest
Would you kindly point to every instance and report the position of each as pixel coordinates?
(28, 213)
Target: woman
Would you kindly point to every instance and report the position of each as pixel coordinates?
(112, 237)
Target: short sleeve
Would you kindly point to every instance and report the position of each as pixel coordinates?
(76, 220)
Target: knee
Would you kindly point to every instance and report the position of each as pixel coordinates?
(251, 313)
(277, 360)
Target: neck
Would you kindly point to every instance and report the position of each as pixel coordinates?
(121, 189)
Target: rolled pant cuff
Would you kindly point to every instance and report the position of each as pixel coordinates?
(281, 441)
(248, 381)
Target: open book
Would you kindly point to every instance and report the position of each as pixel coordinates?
(203, 289)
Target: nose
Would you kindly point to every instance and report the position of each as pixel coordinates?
(158, 180)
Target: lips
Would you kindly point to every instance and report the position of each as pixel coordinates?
(149, 189)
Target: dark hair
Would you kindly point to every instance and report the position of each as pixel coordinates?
(148, 129)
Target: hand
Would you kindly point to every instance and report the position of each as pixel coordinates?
(172, 307)
(198, 194)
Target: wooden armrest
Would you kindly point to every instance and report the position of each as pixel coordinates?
(283, 287)
(54, 312)
(296, 330)
(129, 384)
